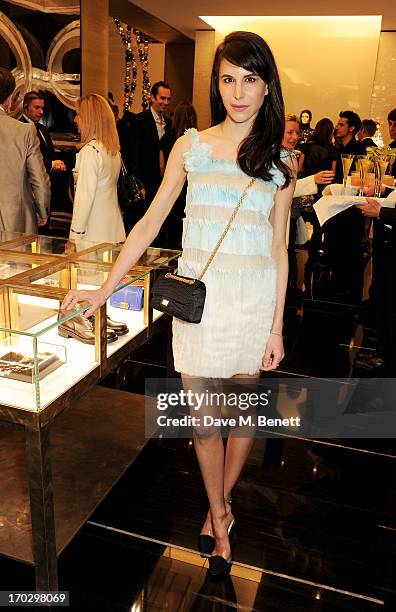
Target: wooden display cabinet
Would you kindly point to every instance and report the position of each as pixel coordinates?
(43, 373)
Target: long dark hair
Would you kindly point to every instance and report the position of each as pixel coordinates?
(323, 132)
(261, 149)
(184, 117)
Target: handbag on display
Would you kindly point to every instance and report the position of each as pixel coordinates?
(128, 189)
(128, 298)
(183, 297)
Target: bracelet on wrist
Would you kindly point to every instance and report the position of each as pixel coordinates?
(274, 333)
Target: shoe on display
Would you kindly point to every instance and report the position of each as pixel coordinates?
(119, 327)
(78, 327)
(81, 329)
(112, 336)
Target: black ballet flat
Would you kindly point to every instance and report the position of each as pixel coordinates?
(232, 535)
(206, 544)
(218, 566)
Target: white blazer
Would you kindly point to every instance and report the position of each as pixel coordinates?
(305, 186)
(96, 213)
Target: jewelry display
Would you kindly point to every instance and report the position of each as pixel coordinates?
(20, 366)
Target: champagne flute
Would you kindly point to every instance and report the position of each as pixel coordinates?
(380, 165)
(391, 155)
(347, 160)
(363, 164)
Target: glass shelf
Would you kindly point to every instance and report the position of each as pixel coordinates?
(49, 245)
(152, 257)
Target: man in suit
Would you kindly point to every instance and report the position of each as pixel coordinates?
(392, 135)
(392, 128)
(345, 232)
(366, 133)
(346, 130)
(364, 136)
(60, 175)
(384, 293)
(147, 131)
(24, 184)
(33, 109)
(125, 134)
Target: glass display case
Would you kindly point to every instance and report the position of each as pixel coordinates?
(38, 363)
(18, 358)
(32, 287)
(50, 358)
(152, 257)
(10, 237)
(49, 245)
(13, 264)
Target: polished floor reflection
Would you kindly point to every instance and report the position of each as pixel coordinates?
(109, 572)
(305, 510)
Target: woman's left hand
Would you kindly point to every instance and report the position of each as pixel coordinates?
(274, 353)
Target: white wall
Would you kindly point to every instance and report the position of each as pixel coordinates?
(384, 90)
(117, 68)
(326, 64)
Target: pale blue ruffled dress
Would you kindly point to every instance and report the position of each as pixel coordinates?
(241, 280)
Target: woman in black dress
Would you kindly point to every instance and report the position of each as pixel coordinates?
(317, 154)
(184, 117)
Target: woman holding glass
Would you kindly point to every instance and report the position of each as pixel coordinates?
(241, 328)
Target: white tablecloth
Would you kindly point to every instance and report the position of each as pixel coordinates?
(332, 203)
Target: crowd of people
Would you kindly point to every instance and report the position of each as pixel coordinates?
(340, 249)
(143, 142)
(242, 175)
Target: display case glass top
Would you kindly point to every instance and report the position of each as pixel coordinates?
(152, 257)
(13, 264)
(8, 236)
(49, 245)
(46, 353)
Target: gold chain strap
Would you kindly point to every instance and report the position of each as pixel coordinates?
(187, 281)
(234, 214)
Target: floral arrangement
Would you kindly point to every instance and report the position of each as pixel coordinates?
(383, 153)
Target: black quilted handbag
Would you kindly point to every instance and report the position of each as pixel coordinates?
(183, 297)
(179, 296)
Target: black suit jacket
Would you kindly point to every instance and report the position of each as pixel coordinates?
(46, 147)
(392, 145)
(355, 148)
(388, 216)
(367, 142)
(144, 148)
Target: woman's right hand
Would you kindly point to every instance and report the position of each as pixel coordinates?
(324, 177)
(95, 298)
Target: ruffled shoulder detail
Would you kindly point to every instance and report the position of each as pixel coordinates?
(278, 176)
(198, 153)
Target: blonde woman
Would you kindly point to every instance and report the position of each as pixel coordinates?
(96, 213)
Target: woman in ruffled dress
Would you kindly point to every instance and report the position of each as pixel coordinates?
(241, 329)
